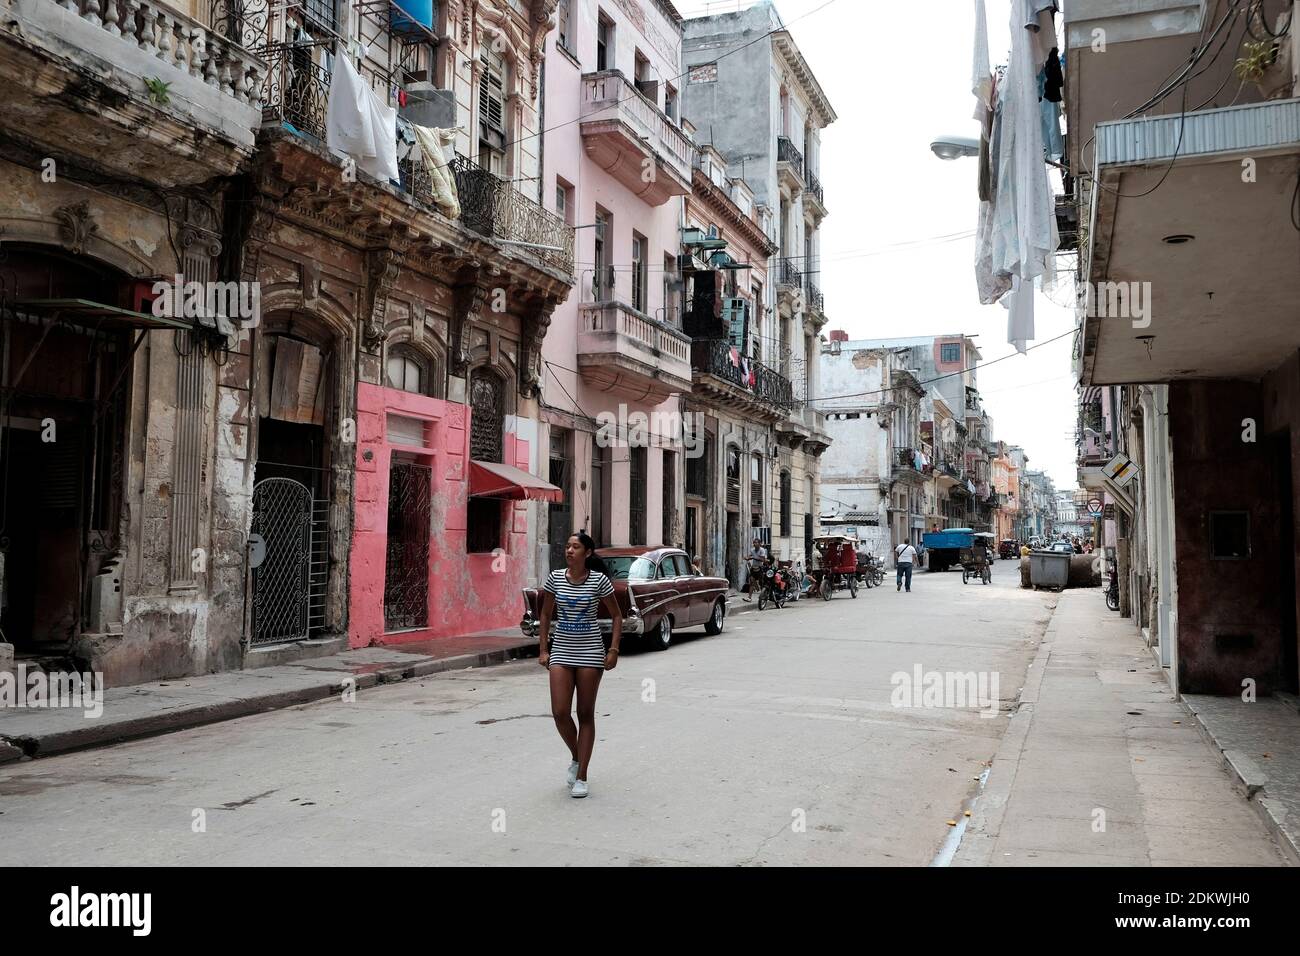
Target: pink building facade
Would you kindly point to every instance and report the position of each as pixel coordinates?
(616, 362)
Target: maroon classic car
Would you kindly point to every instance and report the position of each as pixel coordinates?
(658, 593)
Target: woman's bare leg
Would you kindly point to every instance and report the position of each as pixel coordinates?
(562, 683)
(588, 685)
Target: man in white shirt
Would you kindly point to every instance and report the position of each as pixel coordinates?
(905, 556)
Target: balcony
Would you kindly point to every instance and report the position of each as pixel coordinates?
(132, 86)
(789, 283)
(905, 466)
(492, 207)
(815, 300)
(763, 393)
(789, 165)
(296, 96)
(624, 351)
(814, 198)
(624, 133)
(1144, 320)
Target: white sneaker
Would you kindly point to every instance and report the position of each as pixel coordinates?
(579, 789)
(573, 774)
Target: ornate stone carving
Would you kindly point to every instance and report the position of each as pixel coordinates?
(382, 266)
(530, 347)
(76, 227)
(467, 309)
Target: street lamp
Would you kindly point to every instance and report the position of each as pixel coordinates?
(954, 147)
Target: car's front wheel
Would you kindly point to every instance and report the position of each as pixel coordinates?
(661, 636)
(716, 619)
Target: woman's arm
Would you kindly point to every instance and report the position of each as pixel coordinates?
(616, 616)
(546, 600)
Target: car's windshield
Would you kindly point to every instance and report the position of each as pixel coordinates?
(628, 568)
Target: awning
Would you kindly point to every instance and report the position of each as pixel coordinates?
(110, 318)
(489, 479)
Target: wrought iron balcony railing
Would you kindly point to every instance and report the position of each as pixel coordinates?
(816, 301)
(906, 457)
(787, 152)
(714, 357)
(788, 273)
(492, 207)
(814, 186)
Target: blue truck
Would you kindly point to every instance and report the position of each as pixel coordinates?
(943, 548)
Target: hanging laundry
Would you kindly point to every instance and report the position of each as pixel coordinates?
(1055, 71)
(359, 125)
(435, 148)
(1040, 21)
(1050, 116)
(735, 357)
(1019, 303)
(1016, 235)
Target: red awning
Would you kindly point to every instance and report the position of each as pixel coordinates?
(488, 479)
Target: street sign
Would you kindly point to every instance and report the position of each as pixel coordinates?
(1120, 470)
(1094, 507)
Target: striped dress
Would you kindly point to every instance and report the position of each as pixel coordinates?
(577, 641)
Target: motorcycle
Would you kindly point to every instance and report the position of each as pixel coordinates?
(774, 588)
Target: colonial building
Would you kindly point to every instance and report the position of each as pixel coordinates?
(1198, 386)
(739, 400)
(617, 362)
(210, 494)
(751, 90)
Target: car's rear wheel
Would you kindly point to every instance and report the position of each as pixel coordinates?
(717, 618)
(662, 635)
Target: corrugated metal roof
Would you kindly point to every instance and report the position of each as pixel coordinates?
(1273, 125)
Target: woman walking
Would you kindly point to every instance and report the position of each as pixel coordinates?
(577, 656)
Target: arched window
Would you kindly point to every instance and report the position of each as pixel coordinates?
(487, 415)
(406, 372)
(785, 504)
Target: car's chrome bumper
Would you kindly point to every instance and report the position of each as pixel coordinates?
(632, 624)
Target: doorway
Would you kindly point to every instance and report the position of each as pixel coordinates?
(291, 492)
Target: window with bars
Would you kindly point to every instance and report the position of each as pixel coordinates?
(487, 415)
(321, 13)
(637, 504)
(602, 284)
(639, 272)
(697, 472)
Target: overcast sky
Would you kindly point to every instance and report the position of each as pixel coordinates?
(897, 75)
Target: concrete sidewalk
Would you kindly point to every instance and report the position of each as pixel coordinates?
(159, 707)
(1102, 766)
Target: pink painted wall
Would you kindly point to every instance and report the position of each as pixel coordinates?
(467, 592)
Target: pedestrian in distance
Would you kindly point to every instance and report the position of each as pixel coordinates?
(905, 557)
(578, 656)
(757, 563)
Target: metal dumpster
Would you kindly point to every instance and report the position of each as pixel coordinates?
(1049, 569)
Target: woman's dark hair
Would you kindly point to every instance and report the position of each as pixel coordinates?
(594, 563)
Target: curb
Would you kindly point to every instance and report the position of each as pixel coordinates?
(1251, 781)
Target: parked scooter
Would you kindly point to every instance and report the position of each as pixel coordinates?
(775, 587)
